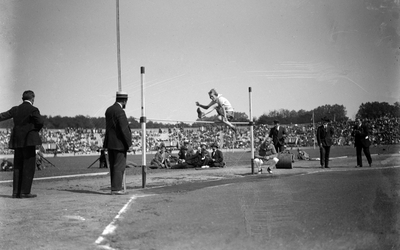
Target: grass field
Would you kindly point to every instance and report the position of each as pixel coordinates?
(73, 165)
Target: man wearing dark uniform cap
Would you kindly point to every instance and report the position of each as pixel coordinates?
(117, 140)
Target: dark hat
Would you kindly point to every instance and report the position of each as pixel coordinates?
(214, 145)
(122, 95)
(276, 121)
(184, 148)
(325, 119)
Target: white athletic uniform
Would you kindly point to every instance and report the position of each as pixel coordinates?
(222, 102)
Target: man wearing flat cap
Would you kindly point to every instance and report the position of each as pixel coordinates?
(278, 135)
(324, 139)
(117, 140)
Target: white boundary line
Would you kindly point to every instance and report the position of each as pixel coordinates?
(346, 169)
(110, 229)
(62, 177)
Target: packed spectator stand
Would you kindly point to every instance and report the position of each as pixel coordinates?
(84, 141)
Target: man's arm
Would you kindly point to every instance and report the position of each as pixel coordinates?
(6, 115)
(205, 106)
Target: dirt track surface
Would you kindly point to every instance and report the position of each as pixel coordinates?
(72, 213)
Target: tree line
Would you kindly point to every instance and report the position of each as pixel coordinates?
(369, 110)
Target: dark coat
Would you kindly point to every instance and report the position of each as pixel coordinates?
(118, 134)
(27, 124)
(361, 135)
(324, 136)
(278, 135)
(217, 156)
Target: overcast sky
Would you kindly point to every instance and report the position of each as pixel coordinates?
(295, 54)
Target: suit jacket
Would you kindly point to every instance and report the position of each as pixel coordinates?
(278, 135)
(361, 135)
(27, 124)
(217, 156)
(324, 136)
(118, 134)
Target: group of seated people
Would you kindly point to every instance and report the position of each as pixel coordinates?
(189, 158)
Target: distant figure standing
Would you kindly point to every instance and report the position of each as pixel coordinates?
(278, 135)
(117, 140)
(24, 138)
(361, 133)
(324, 139)
(223, 107)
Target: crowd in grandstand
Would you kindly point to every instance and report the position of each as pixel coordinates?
(82, 141)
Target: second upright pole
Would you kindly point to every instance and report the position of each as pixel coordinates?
(143, 123)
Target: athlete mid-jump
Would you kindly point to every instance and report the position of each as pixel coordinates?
(222, 105)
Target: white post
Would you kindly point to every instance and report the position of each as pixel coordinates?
(251, 131)
(119, 70)
(143, 123)
(118, 49)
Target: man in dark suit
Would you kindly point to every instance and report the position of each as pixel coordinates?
(278, 135)
(24, 139)
(361, 133)
(324, 139)
(117, 140)
(217, 157)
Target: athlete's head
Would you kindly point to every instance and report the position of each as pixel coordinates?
(213, 94)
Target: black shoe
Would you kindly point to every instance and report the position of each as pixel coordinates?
(26, 196)
(15, 196)
(327, 167)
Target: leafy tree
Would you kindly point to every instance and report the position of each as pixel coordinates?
(374, 110)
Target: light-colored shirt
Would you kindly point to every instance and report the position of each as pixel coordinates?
(222, 102)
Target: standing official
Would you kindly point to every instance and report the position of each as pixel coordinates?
(324, 139)
(24, 138)
(361, 133)
(117, 140)
(278, 135)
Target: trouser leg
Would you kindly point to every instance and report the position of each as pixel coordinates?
(24, 170)
(327, 153)
(117, 169)
(368, 155)
(28, 169)
(358, 154)
(322, 156)
(18, 164)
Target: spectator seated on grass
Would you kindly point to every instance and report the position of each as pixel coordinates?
(160, 159)
(6, 165)
(302, 155)
(217, 157)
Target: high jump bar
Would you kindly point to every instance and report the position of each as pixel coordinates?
(166, 120)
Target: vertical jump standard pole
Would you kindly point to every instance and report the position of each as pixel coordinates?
(143, 123)
(119, 70)
(118, 49)
(251, 131)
